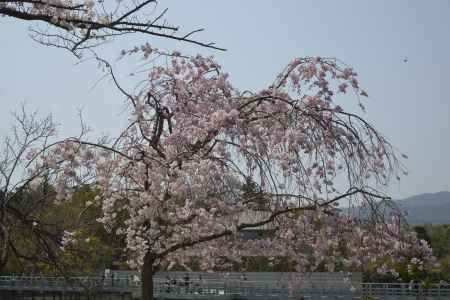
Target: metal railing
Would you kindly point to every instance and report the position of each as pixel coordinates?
(170, 287)
(405, 289)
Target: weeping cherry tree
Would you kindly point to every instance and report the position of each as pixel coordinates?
(172, 178)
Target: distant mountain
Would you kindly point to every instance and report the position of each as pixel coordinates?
(429, 208)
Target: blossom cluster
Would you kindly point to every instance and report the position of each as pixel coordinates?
(64, 13)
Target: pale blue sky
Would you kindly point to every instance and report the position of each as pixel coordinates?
(408, 102)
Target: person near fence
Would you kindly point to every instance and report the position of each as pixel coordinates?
(167, 284)
(187, 283)
(199, 284)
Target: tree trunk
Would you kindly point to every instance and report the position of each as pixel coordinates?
(147, 278)
(4, 247)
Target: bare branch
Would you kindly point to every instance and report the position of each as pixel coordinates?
(84, 25)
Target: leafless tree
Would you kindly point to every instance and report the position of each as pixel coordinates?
(24, 194)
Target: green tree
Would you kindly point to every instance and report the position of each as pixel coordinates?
(81, 244)
(422, 233)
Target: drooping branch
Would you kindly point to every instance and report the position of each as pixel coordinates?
(267, 220)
